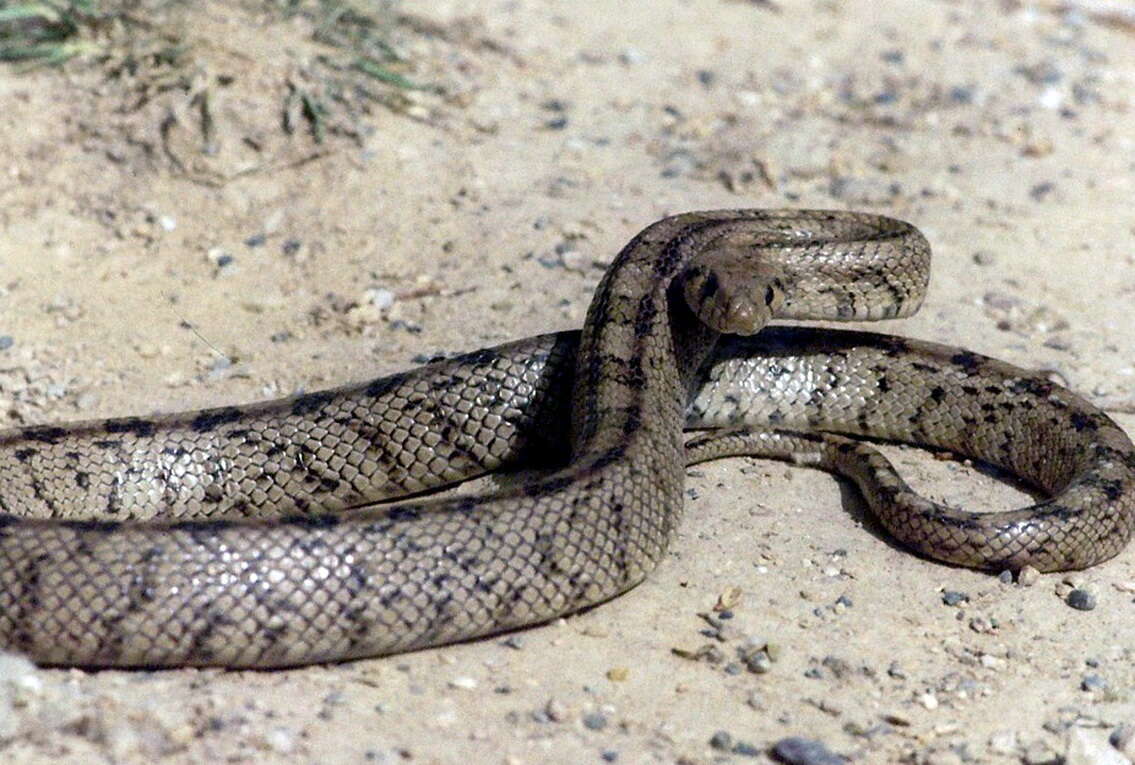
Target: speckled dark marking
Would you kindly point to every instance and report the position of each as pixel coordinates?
(91, 527)
(1112, 489)
(1082, 422)
(609, 457)
(44, 434)
(556, 483)
(211, 419)
(312, 522)
(644, 319)
(202, 527)
(403, 513)
(384, 385)
(136, 426)
(633, 422)
(1033, 386)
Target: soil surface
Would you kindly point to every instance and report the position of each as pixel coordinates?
(260, 220)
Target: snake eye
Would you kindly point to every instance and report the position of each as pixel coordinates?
(769, 295)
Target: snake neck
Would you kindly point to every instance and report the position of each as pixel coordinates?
(640, 347)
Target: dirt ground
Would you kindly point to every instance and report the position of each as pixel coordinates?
(179, 238)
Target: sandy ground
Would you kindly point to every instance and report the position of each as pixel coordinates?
(150, 262)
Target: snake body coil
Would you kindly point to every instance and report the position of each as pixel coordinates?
(246, 536)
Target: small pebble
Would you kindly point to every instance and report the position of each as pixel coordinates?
(463, 682)
(746, 749)
(218, 257)
(953, 597)
(928, 701)
(728, 599)
(1092, 682)
(380, 297)
(721, 740)
(618, 674)
(595, 721)
(992, 662)
(961, 95)
(1004, 743)
(1123, 739)
(555, 710)
(1081, 600)
(609, 755)
(982, 625)
(631, 56)
(804, 751)
(6, 342)
(1041, 191)
(1090, 747)
(1040, 753)
(280, 740)
(841, 668)
(1028, 576)
(759, 663)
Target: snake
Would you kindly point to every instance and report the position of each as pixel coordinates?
(264, 535)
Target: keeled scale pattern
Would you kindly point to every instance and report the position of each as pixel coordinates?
(316, 586)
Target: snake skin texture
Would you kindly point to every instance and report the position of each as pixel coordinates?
(881, 386)
(247, 536)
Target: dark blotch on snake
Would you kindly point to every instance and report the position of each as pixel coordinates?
(211, 419)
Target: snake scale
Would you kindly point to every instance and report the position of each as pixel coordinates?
(249, 536)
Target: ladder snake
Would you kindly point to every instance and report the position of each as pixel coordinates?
(249, 536)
